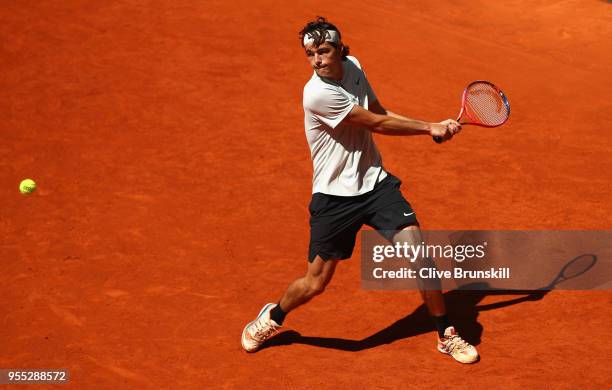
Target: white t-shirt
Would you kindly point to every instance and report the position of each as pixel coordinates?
(345, 159)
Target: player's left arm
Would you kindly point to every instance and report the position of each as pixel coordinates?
(377, 108)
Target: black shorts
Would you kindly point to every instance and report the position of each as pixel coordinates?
(335, 220)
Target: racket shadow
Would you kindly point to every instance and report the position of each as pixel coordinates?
(462, 307)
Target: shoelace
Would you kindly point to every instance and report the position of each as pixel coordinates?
(264, 330)
(456, 342)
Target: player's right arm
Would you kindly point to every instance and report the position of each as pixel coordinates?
(399, 125)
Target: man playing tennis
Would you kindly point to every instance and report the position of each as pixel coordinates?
(350, 185)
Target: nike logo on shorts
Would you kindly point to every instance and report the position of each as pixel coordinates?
(408, 214)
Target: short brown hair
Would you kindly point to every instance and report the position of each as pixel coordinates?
(317, 29)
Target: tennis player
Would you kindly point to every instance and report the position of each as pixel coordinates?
(350, 185)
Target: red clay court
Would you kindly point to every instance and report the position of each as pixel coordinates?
(173, 177)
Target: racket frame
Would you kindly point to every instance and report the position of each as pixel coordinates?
(505, 101)
(467, 114)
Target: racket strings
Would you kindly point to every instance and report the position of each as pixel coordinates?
(485, 105)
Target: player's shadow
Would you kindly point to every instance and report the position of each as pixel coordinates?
(462, 307)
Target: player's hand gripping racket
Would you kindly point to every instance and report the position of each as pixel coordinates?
(482, 104)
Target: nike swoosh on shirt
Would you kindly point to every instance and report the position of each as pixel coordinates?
(407, 215)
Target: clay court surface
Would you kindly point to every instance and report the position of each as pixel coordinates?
(174, 177)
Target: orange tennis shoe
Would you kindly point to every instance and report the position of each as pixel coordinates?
(259, 330)
(459, 349)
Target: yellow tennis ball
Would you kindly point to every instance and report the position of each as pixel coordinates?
(27, 186)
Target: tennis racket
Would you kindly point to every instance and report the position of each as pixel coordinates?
(482, 104)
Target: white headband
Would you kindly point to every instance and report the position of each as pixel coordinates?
(330, 36)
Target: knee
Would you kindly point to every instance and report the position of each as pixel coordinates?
(315, 286)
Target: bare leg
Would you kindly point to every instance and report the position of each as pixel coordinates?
(302, 290)
(265, 326)
(433, 298)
